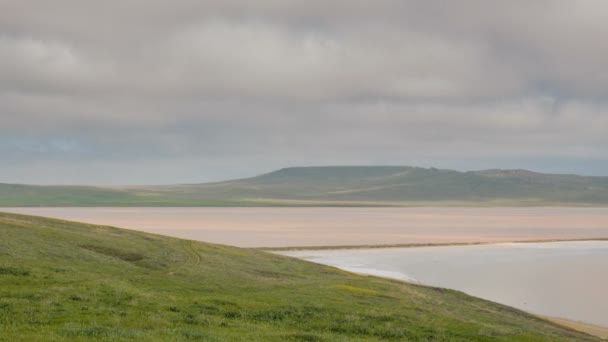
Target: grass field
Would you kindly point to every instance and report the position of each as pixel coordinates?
(66, 281)
(341, 186)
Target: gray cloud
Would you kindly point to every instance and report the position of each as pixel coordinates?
(187, 90)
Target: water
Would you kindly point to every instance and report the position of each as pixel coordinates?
(558, 279)
(567, 280)
(268, 227)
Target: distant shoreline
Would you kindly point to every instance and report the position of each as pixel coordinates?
(294, 203)
(417, 245)
(591, 329)
(335, 186)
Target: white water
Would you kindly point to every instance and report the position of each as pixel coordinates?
(558, 279)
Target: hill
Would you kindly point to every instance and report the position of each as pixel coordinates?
(337, 186)
(67, 281)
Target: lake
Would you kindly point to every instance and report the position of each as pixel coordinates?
(558, 279)
(565, 279)
(271, 227)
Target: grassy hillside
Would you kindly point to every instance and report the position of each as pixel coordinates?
(403, 184)
(31, 195)
(337, 186)
(65, 281)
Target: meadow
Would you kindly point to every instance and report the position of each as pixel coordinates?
(338, 186)
(67, 281)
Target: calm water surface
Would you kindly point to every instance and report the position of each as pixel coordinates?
(566, 280)
(268, 227)
(560, 279)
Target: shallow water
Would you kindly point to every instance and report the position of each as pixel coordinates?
(558, 279)
(269, 227)
(566, 280)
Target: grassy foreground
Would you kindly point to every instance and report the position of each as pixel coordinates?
(66, 281)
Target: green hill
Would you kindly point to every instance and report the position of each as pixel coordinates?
(66, 281)
(336, 186)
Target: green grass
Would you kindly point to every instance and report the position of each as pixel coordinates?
(66, 281)
(342, 186)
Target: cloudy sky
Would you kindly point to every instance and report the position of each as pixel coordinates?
(151, 91)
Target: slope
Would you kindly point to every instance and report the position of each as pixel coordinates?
(76, 282)
(337, 186)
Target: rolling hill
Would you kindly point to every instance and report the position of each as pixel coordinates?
(336, 186)
(67, 281)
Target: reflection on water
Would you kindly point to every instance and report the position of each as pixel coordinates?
(257, 227)
(560, 279)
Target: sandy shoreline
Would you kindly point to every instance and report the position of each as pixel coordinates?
(601, 332)
(595, 330)
(418, 245)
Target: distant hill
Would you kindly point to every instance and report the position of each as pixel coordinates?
(68, 281)
(337, 186)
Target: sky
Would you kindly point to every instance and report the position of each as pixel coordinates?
(183, 91)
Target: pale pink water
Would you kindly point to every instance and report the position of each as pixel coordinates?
(557, 279)
(271, 227)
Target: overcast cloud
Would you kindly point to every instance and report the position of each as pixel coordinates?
(150, 91)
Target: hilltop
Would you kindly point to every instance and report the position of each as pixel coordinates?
(69, 281)
(337, 186)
